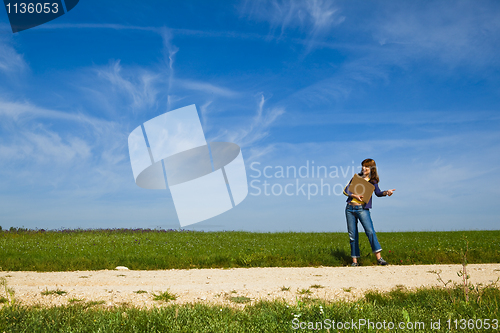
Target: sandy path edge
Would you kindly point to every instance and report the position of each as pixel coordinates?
(216, 286)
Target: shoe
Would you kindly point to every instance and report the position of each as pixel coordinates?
(354, 264)
(382, 262)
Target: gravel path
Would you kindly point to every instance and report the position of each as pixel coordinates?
(217, 286)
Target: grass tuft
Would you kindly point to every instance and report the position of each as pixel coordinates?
(316, 286)
(165, 296)
(93, 303)
(75, 300)
(304, 291)
(9, 292)
(58, 292)
(240, 299)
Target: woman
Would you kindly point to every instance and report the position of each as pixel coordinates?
(356, 210)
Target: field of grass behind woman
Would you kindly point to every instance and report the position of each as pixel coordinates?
(69, 250)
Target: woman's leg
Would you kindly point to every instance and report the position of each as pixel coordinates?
(352, 229)
(366, 221)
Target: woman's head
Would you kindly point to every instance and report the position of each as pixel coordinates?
(369, 168)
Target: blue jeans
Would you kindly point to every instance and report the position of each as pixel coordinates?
(353, 214)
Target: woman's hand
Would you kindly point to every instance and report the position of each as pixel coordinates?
(357, 197)
(389, 192)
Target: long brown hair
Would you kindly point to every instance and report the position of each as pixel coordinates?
(370, 163)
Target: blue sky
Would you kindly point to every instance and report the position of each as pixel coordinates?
(413, 85)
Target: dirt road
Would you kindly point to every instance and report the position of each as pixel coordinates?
(115, 287)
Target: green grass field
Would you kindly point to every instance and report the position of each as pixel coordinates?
(70, 250)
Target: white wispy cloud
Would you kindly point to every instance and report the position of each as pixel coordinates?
(315, 18)
(60, 149)
(466, 32)
(11, 62)
(170, 50)
(162, 31)
(26, 111)
(112, 26)
(259, 152)
(466, 35)
(330, 116)
(206, 88)
(351, 76)
(204, 114)
(140, 88)
(45, 148)
(250, 134)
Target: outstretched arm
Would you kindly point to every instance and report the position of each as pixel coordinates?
(389, 192)
(380, 193)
